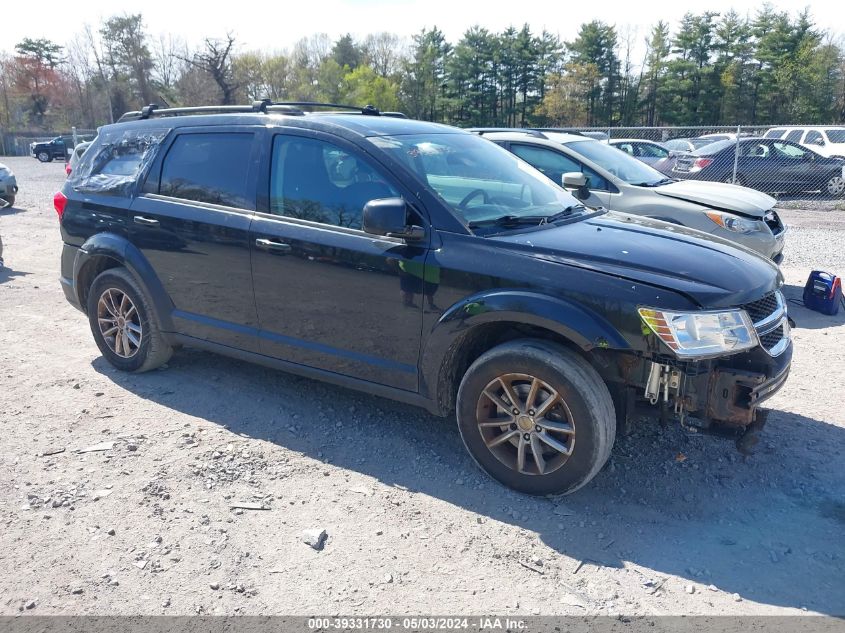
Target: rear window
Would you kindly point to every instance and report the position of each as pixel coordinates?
(116, 160)
(836, 136)
(713, 148)
(212, 168)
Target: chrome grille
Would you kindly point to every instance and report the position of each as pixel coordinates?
(772, 220)
(762, 308)
(769, 317)
(771, 338)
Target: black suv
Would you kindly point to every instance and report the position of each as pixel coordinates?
(418, 262)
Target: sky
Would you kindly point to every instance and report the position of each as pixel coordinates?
(274, 26)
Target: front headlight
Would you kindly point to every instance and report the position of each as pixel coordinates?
(702, 334)
(732, 222)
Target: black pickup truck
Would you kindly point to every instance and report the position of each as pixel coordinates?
(47, 151)
(419, 262)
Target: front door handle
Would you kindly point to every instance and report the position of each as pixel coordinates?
(272, 245)
(140, 219)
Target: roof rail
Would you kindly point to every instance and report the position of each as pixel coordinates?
(560, 130)
(263, 106)
(367, 109)
(481, 131)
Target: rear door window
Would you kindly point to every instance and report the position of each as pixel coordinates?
(774, 133)
(209, 167)
(794, 135)
(814, 137)
(647, 150)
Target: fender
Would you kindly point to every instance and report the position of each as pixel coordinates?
(577, 324)
(122, 250)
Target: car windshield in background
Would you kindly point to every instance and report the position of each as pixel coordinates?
(618, 163)
(836, 136)
(713, 148)
(481, 182)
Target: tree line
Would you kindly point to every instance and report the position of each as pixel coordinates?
(713, 69)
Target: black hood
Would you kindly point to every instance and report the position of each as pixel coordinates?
(713, 272)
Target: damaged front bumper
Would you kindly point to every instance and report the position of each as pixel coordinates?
(725, 392)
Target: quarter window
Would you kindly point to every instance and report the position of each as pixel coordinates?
(315, 180)
(212, 168)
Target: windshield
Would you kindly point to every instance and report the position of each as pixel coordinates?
(477, 179)
(618, 163)
(836, 136)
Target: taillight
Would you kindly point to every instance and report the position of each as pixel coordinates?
(67, 169)
(701, 163)
(59, 202)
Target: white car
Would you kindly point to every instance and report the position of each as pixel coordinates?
(602, 176)
(827, 140)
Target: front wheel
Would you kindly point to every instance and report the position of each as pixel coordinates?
(123, 324)
(44, 157)
(536, 417)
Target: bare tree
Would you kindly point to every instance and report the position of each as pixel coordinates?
(384, 52)
(216, 60)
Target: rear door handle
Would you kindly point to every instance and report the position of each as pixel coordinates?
(272, 245)
(140, 219)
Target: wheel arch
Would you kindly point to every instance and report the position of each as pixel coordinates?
(109, 250)
(479, 323)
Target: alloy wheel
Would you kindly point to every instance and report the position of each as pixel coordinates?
(836, 186)
(120, 323)
(526, 424)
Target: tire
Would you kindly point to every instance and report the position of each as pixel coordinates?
(144, 347)
(582, 420)
(44, 157)
(835, 186)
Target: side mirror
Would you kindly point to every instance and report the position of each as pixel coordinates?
(578, 182)
(389, 217)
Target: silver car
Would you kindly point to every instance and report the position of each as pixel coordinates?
(8, 187)
(602, 176)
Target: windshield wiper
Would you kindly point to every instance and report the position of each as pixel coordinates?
(518, 220)
(657, 183)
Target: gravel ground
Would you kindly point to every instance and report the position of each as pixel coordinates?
(119, 493)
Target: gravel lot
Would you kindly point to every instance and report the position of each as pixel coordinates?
(144, 522)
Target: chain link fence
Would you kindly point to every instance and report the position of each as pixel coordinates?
(800, 165)
(14, 143)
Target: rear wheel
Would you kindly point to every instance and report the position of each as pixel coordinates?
(835, 186)
(123, 324)
(536, 417)
(44, 157)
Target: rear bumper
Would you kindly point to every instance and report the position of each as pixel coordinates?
(66, 280)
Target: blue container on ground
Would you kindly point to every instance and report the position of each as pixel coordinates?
(823, 292)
